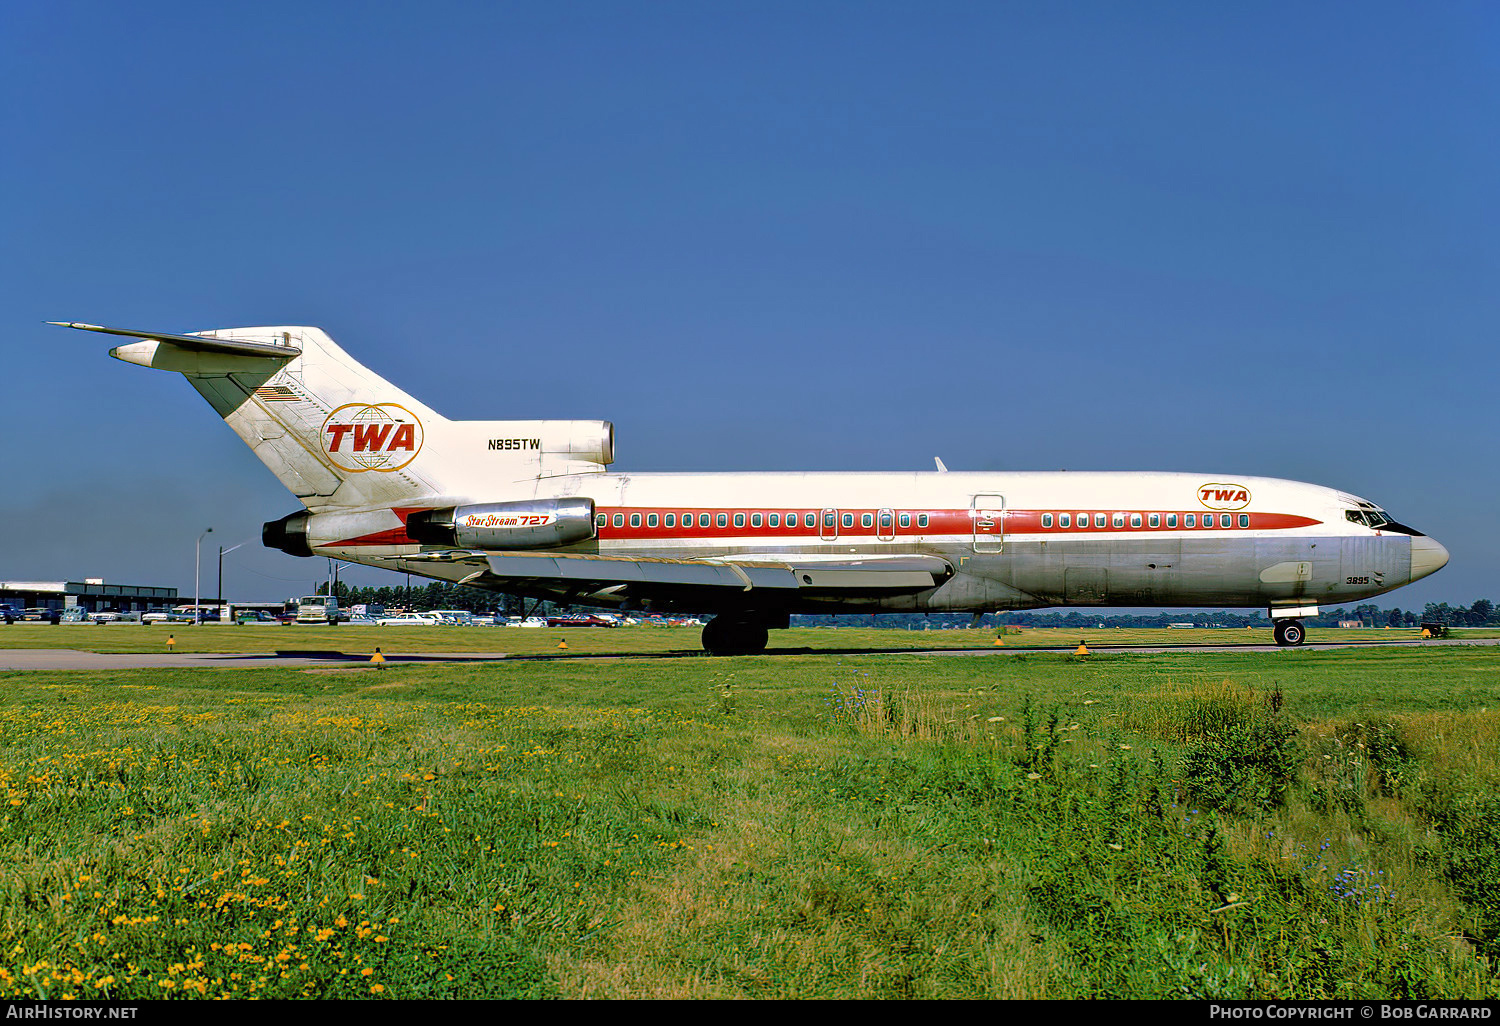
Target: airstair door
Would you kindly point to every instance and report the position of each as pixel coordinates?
(988, 513)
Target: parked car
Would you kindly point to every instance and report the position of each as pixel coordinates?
(408, 620)
(245, 616)
(191, 614)
(44, 615)
(9, 613)
(582, 620)
(104, 616)
(156, 616)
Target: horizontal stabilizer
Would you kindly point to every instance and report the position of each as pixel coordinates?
(197, 343)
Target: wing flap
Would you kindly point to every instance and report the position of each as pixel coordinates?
(606, 570)
(778, 573)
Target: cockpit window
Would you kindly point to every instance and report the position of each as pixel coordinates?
(1376, 519)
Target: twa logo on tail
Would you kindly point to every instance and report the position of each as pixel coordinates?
(1217, 495)
(382, 437)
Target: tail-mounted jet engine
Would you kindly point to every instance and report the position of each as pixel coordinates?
(526, 524)
(289, 534)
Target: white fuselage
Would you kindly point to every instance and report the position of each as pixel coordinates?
(1015, 540)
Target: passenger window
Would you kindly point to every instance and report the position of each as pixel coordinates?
(650, 519)
(1119, 520)
(1190, 520)
(601, 519)
(829, 520)
(754, 519)
(635, 520)
(1171, 519)
(671, 519)
(1098, 519)
(885, 523)
(774, 519)
(1225, 520)
(703, 519)
(619, 519)
(848, 519)
(1135, 520)
(739, 520)
(866, 520)
(904, 520)
(1154, 520)
(1244, 519)
(921, 519)
(1046, 519)
(722, 520)
(1083, 520)
(1064, 520)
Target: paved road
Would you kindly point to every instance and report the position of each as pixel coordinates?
(74, 659)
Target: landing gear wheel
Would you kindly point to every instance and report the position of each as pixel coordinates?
(1288, 633)
(725, 636)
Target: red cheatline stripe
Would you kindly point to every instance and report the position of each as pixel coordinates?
(940, 522)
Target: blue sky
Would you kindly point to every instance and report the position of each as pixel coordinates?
(1255, 240)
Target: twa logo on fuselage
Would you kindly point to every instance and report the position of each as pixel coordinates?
(1217, 495)
(364, 436)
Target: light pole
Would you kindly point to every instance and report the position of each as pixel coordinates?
(334, 566)
(223, 550)
(197, 562)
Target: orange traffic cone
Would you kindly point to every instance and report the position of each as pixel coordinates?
(1082, 649)
(562, 644)
(378, 659)
(171, 643)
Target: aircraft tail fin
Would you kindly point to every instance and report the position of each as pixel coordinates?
(338, 435)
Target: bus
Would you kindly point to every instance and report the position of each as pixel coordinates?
(318, 609)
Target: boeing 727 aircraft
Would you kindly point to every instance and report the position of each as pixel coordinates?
(530, 508)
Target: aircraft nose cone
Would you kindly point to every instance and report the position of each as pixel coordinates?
(1427, 557)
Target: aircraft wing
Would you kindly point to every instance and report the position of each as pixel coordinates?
(785, 576)
(195, 343)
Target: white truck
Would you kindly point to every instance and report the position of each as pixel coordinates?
(318, 609)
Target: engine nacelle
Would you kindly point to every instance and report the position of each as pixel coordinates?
(524, 524)
(289, 534)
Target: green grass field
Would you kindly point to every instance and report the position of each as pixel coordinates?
(622, 641)
(1298, 824)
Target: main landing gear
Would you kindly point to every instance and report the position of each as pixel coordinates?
(1288, 632)
(726, 634)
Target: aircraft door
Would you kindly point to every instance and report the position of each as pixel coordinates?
(886, 525)
(988, 513)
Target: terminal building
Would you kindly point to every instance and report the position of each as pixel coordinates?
(91, 595)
